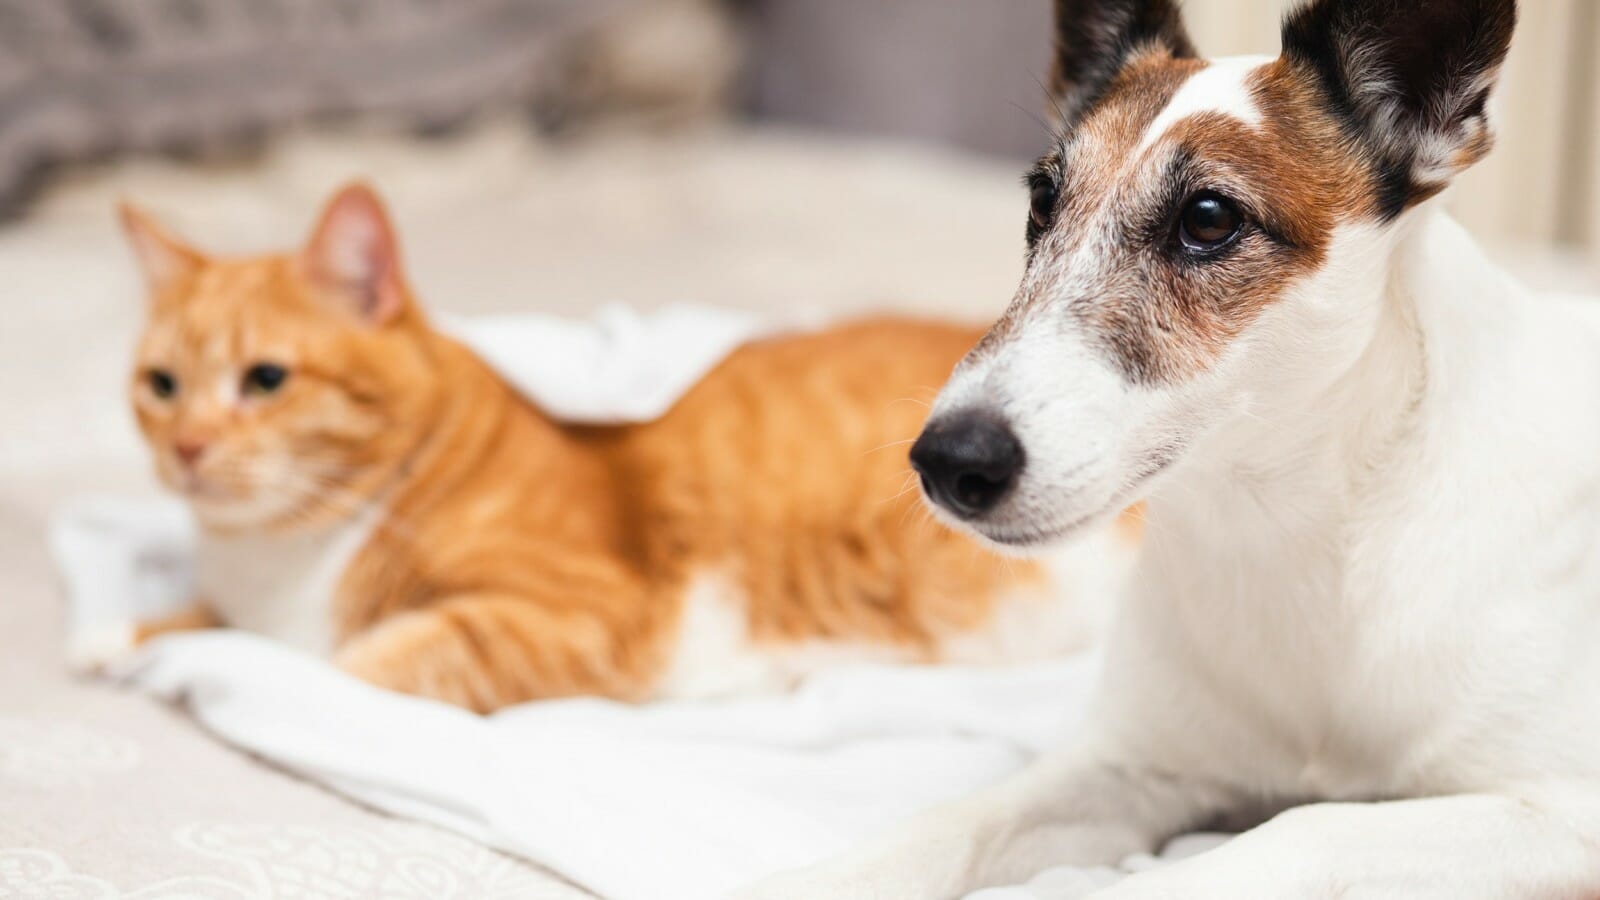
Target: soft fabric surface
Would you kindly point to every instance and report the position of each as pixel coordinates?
(568, 367)
(669, 802)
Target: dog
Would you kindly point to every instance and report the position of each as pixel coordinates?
(1367, 615)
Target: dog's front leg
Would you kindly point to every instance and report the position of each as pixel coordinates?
(1072, 808)
(1476, 847)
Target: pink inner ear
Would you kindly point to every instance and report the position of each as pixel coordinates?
(353, 256)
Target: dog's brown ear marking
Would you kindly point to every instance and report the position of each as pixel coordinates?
(1095, 38)
(1410, 80)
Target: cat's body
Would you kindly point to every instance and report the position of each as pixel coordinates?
(391, 501)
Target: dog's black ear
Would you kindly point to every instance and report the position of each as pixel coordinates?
(1411, 77)
(1095, 38)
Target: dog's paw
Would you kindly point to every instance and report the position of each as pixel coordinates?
(93, 651)
(1221, 878)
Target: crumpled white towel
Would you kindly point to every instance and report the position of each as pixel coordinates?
(671, 802)
(570, 367)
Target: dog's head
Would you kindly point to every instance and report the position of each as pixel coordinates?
(1205, 241)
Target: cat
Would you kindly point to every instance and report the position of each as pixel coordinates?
(368, 489)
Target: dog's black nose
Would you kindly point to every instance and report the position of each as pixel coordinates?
(967, 461)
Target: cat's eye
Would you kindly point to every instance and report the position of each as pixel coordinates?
(264, 378)
(161, 383)
(1208, 223)
(1042, 195)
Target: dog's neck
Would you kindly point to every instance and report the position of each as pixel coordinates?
(1288, 478)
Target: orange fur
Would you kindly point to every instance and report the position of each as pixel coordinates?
(516, 558)
(194, 618)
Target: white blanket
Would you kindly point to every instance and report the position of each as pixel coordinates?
(617, 366)
(671, 802)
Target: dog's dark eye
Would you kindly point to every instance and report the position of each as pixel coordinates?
(264, 378)
(1209, 222)
(1041, 204)
(162, 384)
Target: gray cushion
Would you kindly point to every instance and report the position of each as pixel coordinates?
(86, 78)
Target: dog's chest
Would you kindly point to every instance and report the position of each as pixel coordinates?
(1318, 684)
(1059, 614)
(281, 586)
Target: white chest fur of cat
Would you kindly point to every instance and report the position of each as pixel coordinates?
(281, 586)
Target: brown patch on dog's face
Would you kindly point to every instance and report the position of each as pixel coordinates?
(1210, 244)
(1112, 254)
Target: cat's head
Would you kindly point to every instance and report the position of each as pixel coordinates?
(281, 391)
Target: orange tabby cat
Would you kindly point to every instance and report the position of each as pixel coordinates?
(367, 488)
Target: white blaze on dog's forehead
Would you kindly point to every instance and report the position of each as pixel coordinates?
(1221, 87)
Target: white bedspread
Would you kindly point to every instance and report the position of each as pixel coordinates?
(671, 802)
(618, 365)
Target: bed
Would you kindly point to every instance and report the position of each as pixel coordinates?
(105, 793)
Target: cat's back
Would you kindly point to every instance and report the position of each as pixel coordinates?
(802, 429)
(784, 478)
(781, 404)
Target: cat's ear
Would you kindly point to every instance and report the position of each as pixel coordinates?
(353, 257)
(164, 259)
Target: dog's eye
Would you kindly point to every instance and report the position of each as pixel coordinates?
(161, 383)
(1042, 195)
(264, 378)
(1209, 222)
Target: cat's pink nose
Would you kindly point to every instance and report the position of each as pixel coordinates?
(189, 451)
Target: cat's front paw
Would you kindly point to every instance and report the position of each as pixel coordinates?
(95, 649)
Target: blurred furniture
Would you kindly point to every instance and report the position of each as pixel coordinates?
(948, 71)
(90, 79)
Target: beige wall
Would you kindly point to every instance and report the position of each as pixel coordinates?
(1539, 184)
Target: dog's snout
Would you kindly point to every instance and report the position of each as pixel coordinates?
(968, 462)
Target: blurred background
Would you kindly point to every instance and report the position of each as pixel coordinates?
(90, 80)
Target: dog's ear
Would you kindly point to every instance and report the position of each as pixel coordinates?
(1411, 77)
(1095, 38)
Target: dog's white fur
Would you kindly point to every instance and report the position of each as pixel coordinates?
(1370, 592)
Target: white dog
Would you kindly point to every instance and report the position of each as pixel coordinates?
(1371, 589)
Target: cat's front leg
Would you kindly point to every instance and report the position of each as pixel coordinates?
(485, 651)
(97, 647)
